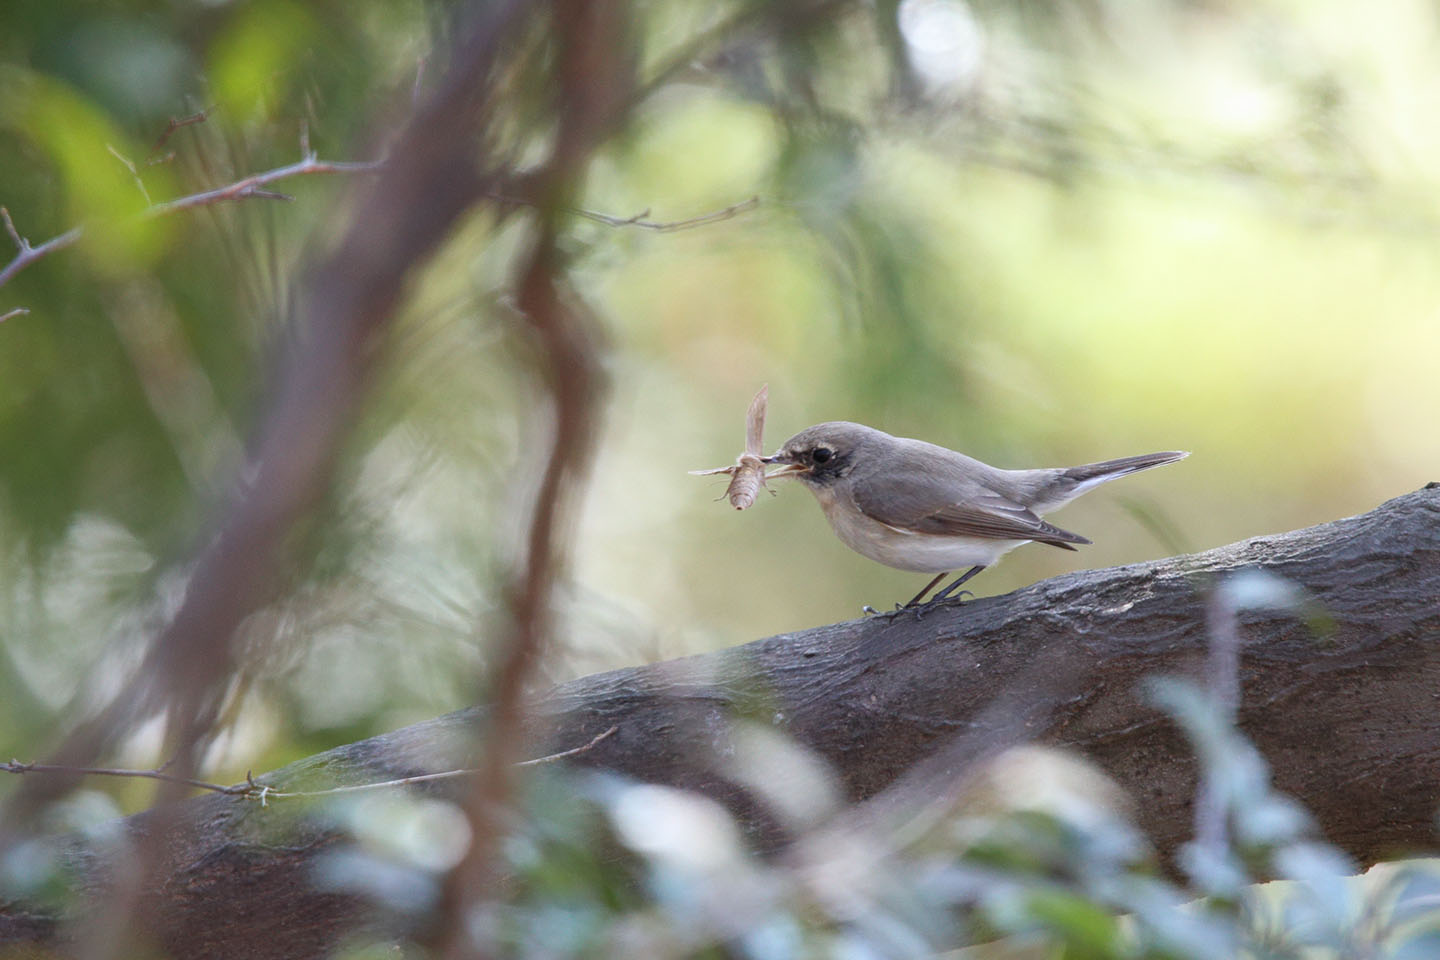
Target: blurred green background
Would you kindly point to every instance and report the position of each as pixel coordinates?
(1041, 233)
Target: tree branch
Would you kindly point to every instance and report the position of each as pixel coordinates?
(882, 700)
(245, 188)
(258, 791)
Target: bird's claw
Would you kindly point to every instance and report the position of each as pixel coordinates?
(870, 611)
(920, 609)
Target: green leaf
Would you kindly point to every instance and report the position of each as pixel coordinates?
(1086, 929)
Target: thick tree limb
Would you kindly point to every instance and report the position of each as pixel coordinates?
(1347, 722)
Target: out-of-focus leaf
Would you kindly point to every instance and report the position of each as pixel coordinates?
(101, 193)
(674, 826)
(1422, 945)
(421, 832)
(1256, 589)
(1324, 873)
(252, 61)
(33, 871)
(1169, 922)
(397, 887)
(793, 780)
(1269, 821)
(1213, 875)
(1418, 895)
(780, 937)
(1085, 928)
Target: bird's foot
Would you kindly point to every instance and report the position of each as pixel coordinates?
(920, 609)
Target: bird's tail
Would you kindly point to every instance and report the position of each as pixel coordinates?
(1090, 475)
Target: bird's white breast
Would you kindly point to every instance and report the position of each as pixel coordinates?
(906, 550)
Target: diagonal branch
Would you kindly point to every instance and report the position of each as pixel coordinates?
(896, 708)
(244, 188)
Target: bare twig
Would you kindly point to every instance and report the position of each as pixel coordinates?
(17, 312)
(17, 766)
(246, 188)
(428, 777)
(573, 751)
(642, 219)
(418, 85)
(258, 791)
(21, 244)
(175, 124)
(134, 174)
(250, 186)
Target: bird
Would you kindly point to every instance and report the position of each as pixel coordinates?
(925, 508)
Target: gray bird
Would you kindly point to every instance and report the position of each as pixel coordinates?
(917, 506)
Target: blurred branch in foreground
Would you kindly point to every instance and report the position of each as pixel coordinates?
(430, 179)
(877, 699)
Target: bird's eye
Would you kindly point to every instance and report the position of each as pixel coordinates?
(822, 454)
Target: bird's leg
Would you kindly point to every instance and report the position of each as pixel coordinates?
(946, 595)
(938, 577)
(943, 595)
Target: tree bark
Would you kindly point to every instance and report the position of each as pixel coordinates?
(1345, 720)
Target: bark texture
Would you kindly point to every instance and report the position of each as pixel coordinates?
(1347, 721)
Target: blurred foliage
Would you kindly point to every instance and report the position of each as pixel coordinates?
(1041, 232)
(1035, 855)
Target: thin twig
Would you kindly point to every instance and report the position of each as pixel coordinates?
(258, 791)
(16, 766)
(642, 219)
(246, 188)
(21, 244)
(427, 777)
(17, 312)
(134, 174)
(250, 186)
(418, 85)
(176, 124)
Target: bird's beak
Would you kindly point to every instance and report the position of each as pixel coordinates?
(788, 467)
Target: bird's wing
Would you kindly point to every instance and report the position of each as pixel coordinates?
(921, 503)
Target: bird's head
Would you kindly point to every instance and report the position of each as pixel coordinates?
(824, 453)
